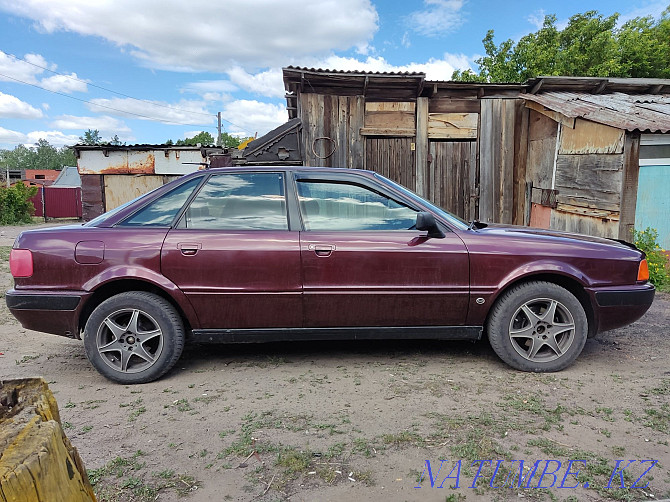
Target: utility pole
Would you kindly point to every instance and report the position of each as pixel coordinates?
(218, 139)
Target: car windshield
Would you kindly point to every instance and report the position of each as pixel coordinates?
(451, 218)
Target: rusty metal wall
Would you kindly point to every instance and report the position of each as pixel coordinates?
(158, 162)
(121, 188)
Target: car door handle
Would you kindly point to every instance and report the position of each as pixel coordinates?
(189, 248)
(322, 249)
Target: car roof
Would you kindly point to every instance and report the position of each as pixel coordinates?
(315, 169)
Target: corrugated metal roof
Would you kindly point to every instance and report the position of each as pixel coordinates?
(356, 72)
(632, 112)
(140, 146)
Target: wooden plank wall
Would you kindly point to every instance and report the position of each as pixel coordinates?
(589, 176)
(452, 177)
(331, 130)
(496, 160)
(393, 158)
(629, 185)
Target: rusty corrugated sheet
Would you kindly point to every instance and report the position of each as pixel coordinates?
(632, 112)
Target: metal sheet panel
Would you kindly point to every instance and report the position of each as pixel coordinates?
(168, 162)
(62, 202)
(653, 204)
(120, 189)
(645, 112)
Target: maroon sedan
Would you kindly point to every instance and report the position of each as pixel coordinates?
(252, 255)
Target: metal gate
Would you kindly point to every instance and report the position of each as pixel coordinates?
(58, 202)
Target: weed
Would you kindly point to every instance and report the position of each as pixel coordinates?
(25, 359)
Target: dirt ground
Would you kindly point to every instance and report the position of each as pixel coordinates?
(364, 420)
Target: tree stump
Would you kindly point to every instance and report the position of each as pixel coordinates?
(37, 461)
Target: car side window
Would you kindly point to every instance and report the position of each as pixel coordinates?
(246, 201)
(346, 206)
(163, 210)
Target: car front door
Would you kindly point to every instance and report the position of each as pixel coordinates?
(364, 265)
(233, 255)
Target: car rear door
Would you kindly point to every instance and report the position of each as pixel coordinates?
(233, 255)
(363, 265)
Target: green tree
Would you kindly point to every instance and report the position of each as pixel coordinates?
(91, 137)
(229, 141)
(591, 45)
(115, 141)
(40, 156)
(15, 206)
(204, 138)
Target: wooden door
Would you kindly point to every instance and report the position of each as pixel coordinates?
(453, 177)
(392, 157)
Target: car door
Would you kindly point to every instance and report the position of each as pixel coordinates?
(364, 265)
(233, 255)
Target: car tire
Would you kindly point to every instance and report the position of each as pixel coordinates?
(134, 337)
(538, 326)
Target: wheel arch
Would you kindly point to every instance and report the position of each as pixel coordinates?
(115, 287)
(575, 287)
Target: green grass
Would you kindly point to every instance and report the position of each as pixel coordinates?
(127, 479)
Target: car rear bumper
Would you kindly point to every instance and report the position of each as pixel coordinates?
(620, 306)
(47, 311)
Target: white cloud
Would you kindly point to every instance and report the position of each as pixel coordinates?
(537, 18)
(437, 17)
(108, 126)
(19, 70)
(8, 137)
(267, 83)
(654, 9)
(64, 83)
(205, 35)
(182, 112)
(211, 90)
(248, 117)
(13, 107)
(30, 71)
(435, 69)
(55, 138)
(406, 42)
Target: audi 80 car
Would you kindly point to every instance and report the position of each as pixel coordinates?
(295, 253)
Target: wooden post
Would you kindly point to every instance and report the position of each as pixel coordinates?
(421, 146)
(37, 461)
(631, 171)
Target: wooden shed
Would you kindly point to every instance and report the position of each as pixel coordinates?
(585, 145)
(555, 152)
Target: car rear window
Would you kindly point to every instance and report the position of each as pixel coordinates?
(162, 211)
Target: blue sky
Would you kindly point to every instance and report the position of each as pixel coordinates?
(149, 71)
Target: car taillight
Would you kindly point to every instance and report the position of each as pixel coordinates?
(21, 263)
(643, 271)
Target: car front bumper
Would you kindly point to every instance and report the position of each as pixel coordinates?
(620, 306)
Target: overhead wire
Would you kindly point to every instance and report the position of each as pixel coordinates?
(105, 106)
(108, 90)
(152, 103)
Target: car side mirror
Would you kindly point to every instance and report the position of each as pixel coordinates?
(426, 221)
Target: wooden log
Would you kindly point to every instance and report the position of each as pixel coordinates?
(37, 461)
